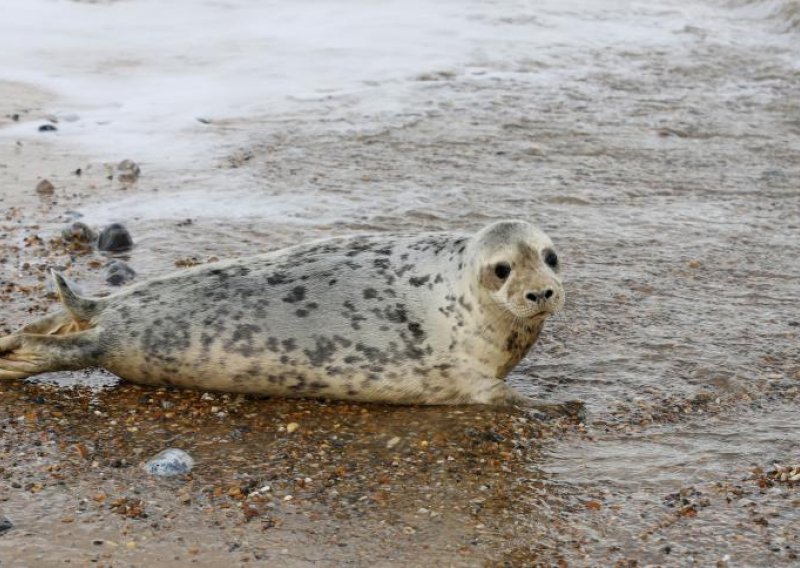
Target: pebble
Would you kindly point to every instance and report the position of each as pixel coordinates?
(114, 238)
(119, 273)
(171, 461)
(128, 171)
(5, 524)
(78, 232)
(44, 187)
(393, 442)
(292, 426)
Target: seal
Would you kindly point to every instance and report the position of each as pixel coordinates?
(435, 318)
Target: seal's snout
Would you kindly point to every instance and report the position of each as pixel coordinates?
(539, 296)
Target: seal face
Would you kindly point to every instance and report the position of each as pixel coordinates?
(433, 319)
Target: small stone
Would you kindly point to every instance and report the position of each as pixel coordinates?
(171, 461)
(292, 426)
(119, 273)
(47, 128)
(78, 233)
(128, 171)
(114, 238)
(5, 525)
(393, 442)
(44, 187)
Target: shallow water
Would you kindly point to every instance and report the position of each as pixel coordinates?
(657, 143)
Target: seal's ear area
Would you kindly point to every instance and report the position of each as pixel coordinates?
(82, 309)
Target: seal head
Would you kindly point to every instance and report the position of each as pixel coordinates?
(519, 270)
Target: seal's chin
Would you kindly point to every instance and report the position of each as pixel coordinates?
(539, 315)
(529, 314)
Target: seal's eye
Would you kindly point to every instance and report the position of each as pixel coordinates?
(502, 270)
(550, 258)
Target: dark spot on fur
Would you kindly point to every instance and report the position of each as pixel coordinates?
(416, 330)
(343, 341)
(277, 278)
(403, 269)
(370, 293)
(373, 354)
(322, 353)
(297, 294)
(396, 314)
(418, 281)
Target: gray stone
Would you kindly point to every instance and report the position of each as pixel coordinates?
(171, 461)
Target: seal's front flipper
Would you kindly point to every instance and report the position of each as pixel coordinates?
(544, 411)
(503, 395)
(26, 354)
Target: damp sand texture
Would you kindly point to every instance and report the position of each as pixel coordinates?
(657, 144)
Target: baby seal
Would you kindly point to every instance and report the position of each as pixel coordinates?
(407, 319)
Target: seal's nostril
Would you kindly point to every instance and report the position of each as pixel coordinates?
(548, 293)
(531, 296)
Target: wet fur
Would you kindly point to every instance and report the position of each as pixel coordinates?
(392, 318)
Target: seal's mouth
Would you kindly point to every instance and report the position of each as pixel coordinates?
(525, 311)
(520, 312)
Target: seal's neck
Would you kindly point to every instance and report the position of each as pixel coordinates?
(506, 339)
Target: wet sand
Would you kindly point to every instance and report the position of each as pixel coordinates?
(666, 174)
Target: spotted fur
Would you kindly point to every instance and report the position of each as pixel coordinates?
(392, 318)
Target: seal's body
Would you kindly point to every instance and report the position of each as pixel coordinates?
(431, 319)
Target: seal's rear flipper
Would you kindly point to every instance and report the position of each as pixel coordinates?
(10, 367)
(59, 323)
(82, 309)
(61, 341)
(26, 354)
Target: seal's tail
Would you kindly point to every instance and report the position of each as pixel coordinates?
(61, 341)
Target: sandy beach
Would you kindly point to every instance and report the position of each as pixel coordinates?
(658, 144)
